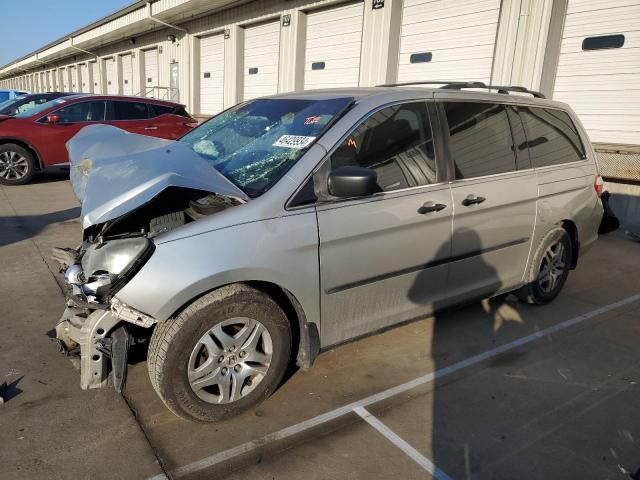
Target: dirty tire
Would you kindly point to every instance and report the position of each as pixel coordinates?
(173, 341)
(29, 163)
(533, 292)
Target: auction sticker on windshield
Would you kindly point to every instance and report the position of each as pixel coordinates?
(294, 141)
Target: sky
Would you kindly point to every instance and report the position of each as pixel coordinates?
(30, 24)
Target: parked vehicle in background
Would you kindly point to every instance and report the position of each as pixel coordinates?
(290, 224)
(9, 94)
(26, 102)
(37, 138)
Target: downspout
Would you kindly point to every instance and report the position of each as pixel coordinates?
(187, 34)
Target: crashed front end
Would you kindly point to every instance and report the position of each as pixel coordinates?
(94, 322)
(132, 188)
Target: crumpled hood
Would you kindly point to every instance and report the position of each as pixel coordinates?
(114, 172)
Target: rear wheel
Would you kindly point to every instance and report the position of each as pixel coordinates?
(17, 165)
(549, 269)
(224, 354)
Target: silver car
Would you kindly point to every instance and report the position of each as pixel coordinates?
(290, 224)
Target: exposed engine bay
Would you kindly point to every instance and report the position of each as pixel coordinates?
(111, 251)
(132, 188)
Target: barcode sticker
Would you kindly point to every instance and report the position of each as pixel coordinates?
(294, 141)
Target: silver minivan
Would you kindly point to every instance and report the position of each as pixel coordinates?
(290, 224)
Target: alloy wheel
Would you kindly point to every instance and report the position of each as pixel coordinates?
(230, 360)
(552, 267)
(13, 166)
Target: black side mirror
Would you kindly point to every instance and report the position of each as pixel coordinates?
(353, 182)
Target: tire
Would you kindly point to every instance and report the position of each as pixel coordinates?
(177, 343)
(541, 289)
(17, 165)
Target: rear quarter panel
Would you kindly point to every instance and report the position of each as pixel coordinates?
(566, 192)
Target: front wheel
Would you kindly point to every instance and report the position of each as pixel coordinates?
(17, 165)
(549, 269)
(224, 354)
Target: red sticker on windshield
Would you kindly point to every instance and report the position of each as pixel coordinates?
(312, 120)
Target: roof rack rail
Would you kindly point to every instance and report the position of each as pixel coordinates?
(504, 89)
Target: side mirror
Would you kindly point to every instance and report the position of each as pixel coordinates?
(348, 182)
(53, 119)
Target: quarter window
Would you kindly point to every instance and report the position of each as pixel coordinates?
(480, 139)
(81, 112)
(397, 143)
(157, 110)
(130, 111)
(552, 137)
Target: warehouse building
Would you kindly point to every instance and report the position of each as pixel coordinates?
(212, 54)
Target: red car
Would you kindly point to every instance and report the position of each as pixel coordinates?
(36, 138)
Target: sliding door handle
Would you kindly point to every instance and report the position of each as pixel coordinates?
(472, 200)
(431, 207)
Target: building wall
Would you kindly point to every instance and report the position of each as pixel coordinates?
(530, 47)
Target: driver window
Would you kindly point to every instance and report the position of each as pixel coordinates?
(82, 112)
(397, 143)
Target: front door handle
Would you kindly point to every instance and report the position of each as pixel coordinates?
(150, 128)
(472, 200)
(431, 207)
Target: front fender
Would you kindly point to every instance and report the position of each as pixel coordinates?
(282, 251)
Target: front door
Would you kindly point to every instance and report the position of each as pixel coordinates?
(494, 198)
(383, 257)
(72, 118)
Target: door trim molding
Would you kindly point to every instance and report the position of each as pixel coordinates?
(424, 266)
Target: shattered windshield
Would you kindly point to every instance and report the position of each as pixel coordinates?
(254, 144)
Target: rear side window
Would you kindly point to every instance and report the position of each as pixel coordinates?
(81, 112)
(397, 143)
(480, 139)
(552, 137)
(180, 111)
(130, 111)
(157, 110)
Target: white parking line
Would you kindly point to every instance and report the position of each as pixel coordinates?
(411, 452)
(225, 455)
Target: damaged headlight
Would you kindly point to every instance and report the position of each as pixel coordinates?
(103, 263)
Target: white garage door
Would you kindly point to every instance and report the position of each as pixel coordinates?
(333, 46)
(73, 79)
(150, 72)
(443, 40)
(54, 81)
(96, 86)
(63, 79)
(83, 78)
(212, 74)
(602, 84)
(127, 74)
(111, 76)
(43, 82)
(261, 59)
